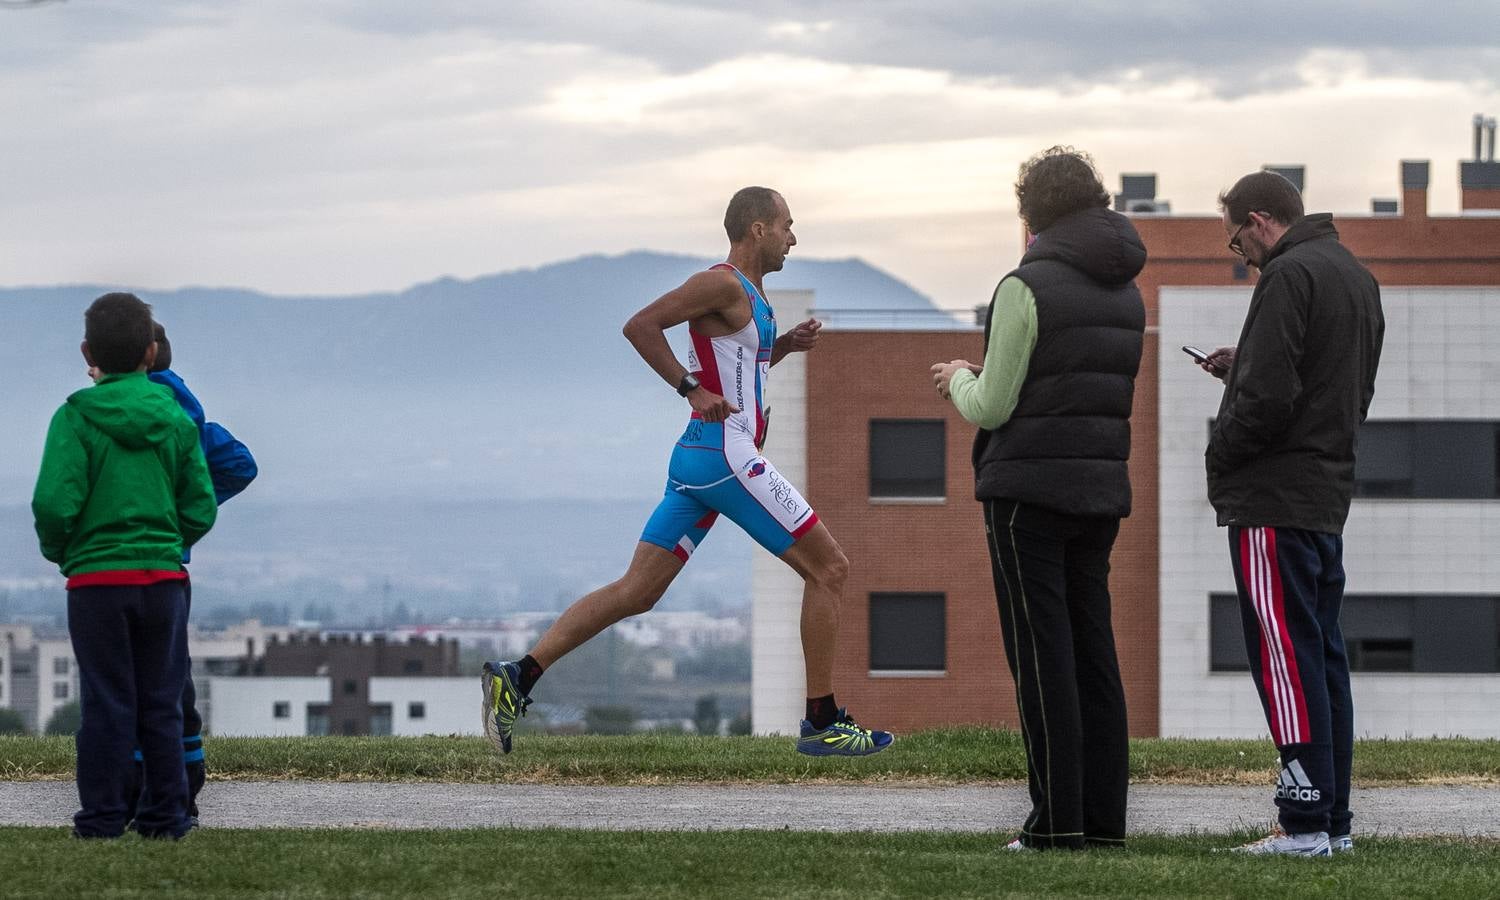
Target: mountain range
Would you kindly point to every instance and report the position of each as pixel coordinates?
(401, 410)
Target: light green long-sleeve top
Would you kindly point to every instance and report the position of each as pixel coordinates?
(988, 399)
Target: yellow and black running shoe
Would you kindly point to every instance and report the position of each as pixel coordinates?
(503, 702)
(842, 738)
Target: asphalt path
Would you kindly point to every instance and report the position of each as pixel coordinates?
(1461, 810)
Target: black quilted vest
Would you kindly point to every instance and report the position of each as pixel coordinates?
(1067, 445)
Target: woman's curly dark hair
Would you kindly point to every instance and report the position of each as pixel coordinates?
(1056, 182)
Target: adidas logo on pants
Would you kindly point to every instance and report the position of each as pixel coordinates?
(1294, 785)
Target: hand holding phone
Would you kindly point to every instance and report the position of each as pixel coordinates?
(1216, 363)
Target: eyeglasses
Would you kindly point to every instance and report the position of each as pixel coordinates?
(1234, 239)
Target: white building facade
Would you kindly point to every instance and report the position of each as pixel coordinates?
(778, 683)
(290, 706)
(37, 674)
(1422, 609)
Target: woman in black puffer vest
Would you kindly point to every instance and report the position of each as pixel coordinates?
(1052, 400)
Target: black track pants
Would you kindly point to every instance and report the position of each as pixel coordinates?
(1052, 583)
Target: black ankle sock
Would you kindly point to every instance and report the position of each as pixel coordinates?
(822, 711)
(531, 670)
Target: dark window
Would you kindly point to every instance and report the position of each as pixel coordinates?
(350, 727)
(59, 690)
(1428, 460)
(1450, 633)
(380, 720)
(59, 665)
(281, 709)
(411, 666)
(907, 458)
(350, 686)
(317, 721)
(416, 710)
(908, 632)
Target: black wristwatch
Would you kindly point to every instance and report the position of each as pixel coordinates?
(688, 384)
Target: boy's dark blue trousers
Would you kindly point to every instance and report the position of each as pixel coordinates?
(131, 645)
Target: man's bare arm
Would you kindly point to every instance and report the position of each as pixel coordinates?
(705, 294)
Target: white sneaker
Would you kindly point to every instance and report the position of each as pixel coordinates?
(1341, 844)
(1313, 843)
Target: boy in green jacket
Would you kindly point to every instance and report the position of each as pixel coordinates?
(123, 490)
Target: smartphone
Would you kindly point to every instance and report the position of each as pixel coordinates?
(1196, 354)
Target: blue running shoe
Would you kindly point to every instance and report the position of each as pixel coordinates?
(503, 702)
(842, 738)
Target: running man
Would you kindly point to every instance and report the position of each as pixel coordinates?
(716, 468)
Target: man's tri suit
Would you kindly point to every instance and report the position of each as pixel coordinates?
(717, 467)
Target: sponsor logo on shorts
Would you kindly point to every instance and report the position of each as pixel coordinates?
(784, 494)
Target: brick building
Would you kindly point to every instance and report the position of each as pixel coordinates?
(886, 464)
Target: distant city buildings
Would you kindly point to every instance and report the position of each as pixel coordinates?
(257, 680)
(37, 673)
(345, 684)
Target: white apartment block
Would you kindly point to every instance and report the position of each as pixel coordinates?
(37, 674)
(1422, 610)
(295, 706)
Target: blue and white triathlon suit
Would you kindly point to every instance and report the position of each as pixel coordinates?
(716, 467)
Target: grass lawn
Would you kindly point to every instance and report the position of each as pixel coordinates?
(488, 864)
(949, 755)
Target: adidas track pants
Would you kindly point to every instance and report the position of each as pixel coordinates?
(1291, 586)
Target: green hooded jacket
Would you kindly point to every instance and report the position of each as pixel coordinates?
(123, 483)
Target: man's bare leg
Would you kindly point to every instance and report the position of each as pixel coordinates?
(818, 558)
(828, 730)
(506, 685)
(651, 572)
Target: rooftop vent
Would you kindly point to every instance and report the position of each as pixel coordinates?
(1414, 174)
(1290, 173)
(1138, 195)
(1484, 127)
(1138, 187)
(1135, 189)
(1482, 173)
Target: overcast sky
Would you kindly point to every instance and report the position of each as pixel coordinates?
(345, 146)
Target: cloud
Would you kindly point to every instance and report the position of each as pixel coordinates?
(358, 145)
(1067, 46)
